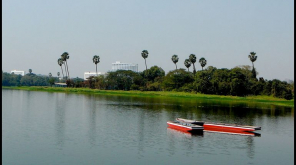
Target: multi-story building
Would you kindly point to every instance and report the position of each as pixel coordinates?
(88, 74)
(20, 72)
(115, 66)
(124, 66)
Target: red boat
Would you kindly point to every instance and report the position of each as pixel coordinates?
(231, 132)
(210, 125)
(183, 126)
(174, 131)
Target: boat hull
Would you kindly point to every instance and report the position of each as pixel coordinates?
(185, 128)
(209, 125)
(232, 132)
(226, 127)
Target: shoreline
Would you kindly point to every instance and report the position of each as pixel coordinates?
(258, 99)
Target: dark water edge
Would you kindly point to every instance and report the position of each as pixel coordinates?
(61, 128)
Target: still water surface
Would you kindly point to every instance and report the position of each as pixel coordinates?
(59, 128)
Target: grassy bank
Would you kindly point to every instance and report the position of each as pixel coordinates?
(259, 99)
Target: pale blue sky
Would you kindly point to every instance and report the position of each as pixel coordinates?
(35, 34)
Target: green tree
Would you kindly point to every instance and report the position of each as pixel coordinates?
(145, 55)
(65, 56)
(50, 79)
(30, 71)
(176, 79)
(100, 82)
(246, 70)
(204, 81)
(5, 79)
(90, 82)
(253, 58)
(27, 80)
(192, 59)
(237, 87)
(150, 79)
(187, 63)
(96, 60)
(238, 82)
(120, 79)
(154, 73)
(175, 59)
(221, 81)
(78, 82)
(61, 62)
(203, 62)
(281, 89)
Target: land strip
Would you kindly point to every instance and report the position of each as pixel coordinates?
(260, 99)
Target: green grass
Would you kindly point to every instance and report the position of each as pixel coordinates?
(260, 99)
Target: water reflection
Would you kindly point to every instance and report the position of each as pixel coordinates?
(133, 130)
(60, 107)
(92, 113)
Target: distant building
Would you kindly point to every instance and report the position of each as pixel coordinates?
(60, 84)
(88, 74)
(18, 72)
(124, 66)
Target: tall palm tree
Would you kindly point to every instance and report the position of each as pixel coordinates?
(192, 59)
(30, 71)
(175, 59)
(203, 62)
(65, 56)
(253, 58)
(96, 60)
(58, 75)
(61, 62)
(187, 63)
(145, 55)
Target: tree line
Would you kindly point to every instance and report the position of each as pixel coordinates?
(238, 81)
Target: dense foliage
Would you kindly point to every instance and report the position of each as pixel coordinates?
(26, 80)
(238, 81)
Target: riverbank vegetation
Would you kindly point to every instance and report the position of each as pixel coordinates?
(256, 99)
(240, 81)
(225, 82)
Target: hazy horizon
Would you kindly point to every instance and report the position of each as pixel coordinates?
(36, 33)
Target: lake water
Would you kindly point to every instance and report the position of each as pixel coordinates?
(59, 128)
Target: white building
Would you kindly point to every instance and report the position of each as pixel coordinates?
(20, 72)
(124, 66)
(88, 74)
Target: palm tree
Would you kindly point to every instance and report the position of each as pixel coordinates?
(30, 71)
(58, 75)
(49, 74)
(61, 62)
(187, 63)
(65, 56)
(145, 55)
(96, 60)
(203, 62)
(175, 59)
(192, 59)
(253, 58)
